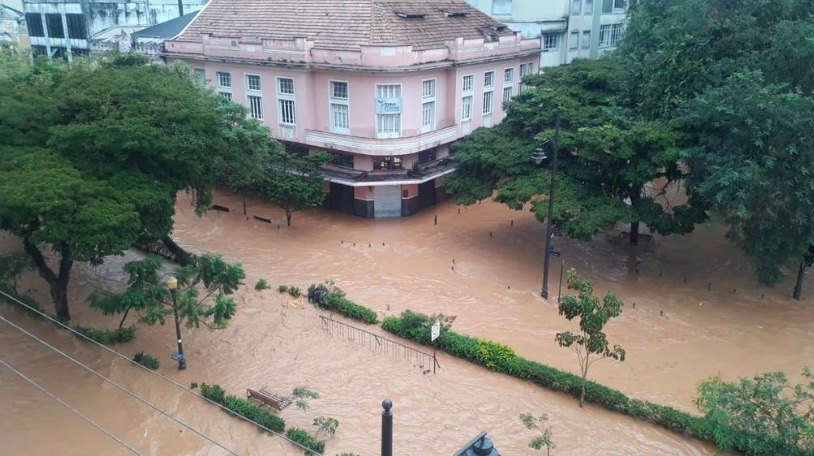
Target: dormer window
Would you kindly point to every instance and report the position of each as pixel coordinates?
(410, 15)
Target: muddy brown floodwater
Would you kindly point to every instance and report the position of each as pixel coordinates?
(697, 314)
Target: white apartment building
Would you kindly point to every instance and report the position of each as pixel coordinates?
(568, 29)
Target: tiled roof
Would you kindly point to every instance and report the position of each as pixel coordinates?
(346, 24)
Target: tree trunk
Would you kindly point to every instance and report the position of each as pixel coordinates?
(582, 392)
(245, 212)
(58, 284)
(798, 287)
(288, 217)
(634, 233)
(121, 323)
(180, 255)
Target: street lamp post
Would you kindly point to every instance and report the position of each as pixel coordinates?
(172, 285)
(538, 157)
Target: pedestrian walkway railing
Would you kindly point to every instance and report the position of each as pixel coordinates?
(428, 362)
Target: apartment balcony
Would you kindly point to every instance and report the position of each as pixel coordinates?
(417, 175)
(414, 143)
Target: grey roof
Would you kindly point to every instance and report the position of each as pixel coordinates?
(167, 30)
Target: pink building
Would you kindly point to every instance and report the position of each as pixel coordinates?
(384, 85)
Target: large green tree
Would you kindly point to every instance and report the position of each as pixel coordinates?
(738, 76)
(753, 159)
(607, 155)
(294, 182)
(93, 156)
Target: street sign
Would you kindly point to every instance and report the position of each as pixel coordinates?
(436, 330)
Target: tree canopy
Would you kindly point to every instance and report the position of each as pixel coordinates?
(738, 78)
(293, 181)
(608, 156)
(94, 154)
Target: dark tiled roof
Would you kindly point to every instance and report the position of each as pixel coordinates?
(167, 30)
(346, 24)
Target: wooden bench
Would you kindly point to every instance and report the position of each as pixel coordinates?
(266, 397)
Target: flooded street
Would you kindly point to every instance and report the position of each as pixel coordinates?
(697, 313)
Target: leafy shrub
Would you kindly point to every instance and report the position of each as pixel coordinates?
(329, 297)
(294, 292)
(193, 385)
(213, 392)
(242, 407)
(107, 336)
(307, 440)
(261, 285)
(492, 354)
(282, 288)
(146, 360)
(319, 294)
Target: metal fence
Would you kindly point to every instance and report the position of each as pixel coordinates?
(426, 361)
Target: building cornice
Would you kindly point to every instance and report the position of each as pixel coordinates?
(355, 68)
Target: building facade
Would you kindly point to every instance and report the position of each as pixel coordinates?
(66, 28)
(385, 86)
(568, 29)
(12, 24)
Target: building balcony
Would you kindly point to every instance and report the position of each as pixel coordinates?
(417, 175)
(382, 146)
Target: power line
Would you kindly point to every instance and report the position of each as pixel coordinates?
(69, 407)
(130, 393)
(151, 372)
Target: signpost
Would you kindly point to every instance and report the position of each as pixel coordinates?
(435, 331)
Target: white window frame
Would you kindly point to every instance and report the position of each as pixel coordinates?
(510, 73)
(248, 85)
(573, 40)
(428, 105)
(508, 84)
(382, 119)
(588, 8)
(616, 34)
(604, 35)
(576, 7)
(466, 108)
(551, 41)
(467, 98)
(488, 92)
(464, 79)
(337, 104)
(525, 70)
(254, 94)
(286, 99)
(224, 90)
(508, 93)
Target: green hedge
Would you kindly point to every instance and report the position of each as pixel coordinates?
(242, 407)
(500, 358)
(329, 297)
(307, 440)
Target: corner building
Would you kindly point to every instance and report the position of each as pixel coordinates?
(385, 86)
